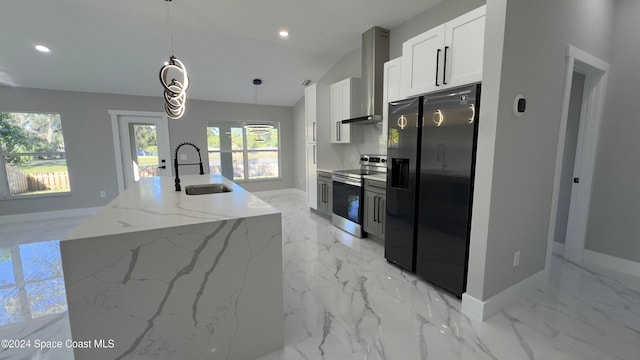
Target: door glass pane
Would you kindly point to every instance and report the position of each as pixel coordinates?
(238, 165)
(263, 164)
(37, 174)
(144, 154)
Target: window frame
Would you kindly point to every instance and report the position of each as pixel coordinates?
(5, 192)
(227, 125)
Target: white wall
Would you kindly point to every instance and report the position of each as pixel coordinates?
(89, 143)
(613, 227)
(519, 177)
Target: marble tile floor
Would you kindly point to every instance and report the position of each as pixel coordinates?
(343, 301)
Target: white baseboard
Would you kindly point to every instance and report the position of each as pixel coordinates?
(612, 262)
(47, 215)
(482, 310)
(558, 248)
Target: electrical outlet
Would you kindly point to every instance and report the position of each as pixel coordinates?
(103, 194)
(516, 259)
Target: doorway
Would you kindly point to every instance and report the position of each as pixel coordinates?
(141, 146)
(583, 101)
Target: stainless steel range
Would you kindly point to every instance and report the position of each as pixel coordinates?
(348, 193)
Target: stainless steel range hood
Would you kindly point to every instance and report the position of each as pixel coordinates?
(375, 52)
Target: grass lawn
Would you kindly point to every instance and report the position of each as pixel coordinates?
(43, 166)
(147, 160)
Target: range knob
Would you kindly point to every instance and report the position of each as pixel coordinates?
(383, 160)
(364, 158)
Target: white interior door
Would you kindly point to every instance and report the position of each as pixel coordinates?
(596, 74)
(141, 144)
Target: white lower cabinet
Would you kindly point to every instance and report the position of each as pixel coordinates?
(312, 178)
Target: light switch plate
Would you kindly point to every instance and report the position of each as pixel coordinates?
(516, 259)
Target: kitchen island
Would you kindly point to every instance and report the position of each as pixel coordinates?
(158, 274)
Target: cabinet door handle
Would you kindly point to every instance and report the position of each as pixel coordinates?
(378, 209)
(324, 193)
(444, 66)
(314, 131)
(315, 160)
(437, 65)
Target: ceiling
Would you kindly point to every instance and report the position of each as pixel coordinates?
(118, 46)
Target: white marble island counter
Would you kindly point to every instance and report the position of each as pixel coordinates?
(173, 276)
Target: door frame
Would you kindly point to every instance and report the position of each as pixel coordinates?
(163, 135)
(596, 73)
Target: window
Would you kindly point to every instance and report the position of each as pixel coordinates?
(33, 159)
(242, 154)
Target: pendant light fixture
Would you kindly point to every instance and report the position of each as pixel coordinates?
(175, 91)
(256, 129)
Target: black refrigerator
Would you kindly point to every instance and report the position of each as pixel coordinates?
(435, 241)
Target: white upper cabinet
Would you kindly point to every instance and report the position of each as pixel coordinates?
(310, 101)
(391, 91)
(343, 103)
(464, 43)
(446, 56)
(421, 60)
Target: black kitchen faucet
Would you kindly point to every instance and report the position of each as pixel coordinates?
(176, 165)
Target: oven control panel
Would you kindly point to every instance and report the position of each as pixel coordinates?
(373, 160)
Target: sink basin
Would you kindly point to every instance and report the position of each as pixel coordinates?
(207, 189)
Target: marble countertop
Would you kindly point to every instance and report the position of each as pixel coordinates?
(377, 177)
(153, 203)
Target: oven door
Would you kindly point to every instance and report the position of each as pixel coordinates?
(347, 200)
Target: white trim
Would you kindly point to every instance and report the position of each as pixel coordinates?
(596, 74)
(48, 215)
(117, 145)
(558, 248)
(612, 262)
(482, 310)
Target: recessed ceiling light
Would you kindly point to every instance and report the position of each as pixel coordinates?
(284, 34)
(43, 48)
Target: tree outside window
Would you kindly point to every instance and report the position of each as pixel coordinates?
(33, 158)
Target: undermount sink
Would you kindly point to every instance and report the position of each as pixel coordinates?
(207, 189)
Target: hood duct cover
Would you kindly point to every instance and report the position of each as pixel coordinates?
(375, 52)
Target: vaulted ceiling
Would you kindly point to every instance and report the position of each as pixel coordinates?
(118, 46)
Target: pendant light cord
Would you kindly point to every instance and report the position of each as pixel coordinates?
(170, 27)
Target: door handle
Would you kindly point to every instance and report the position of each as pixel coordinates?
(315, 160)
(162, 167)
(314, 131)
(437, 65)
(375, 208)
(444, 67)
